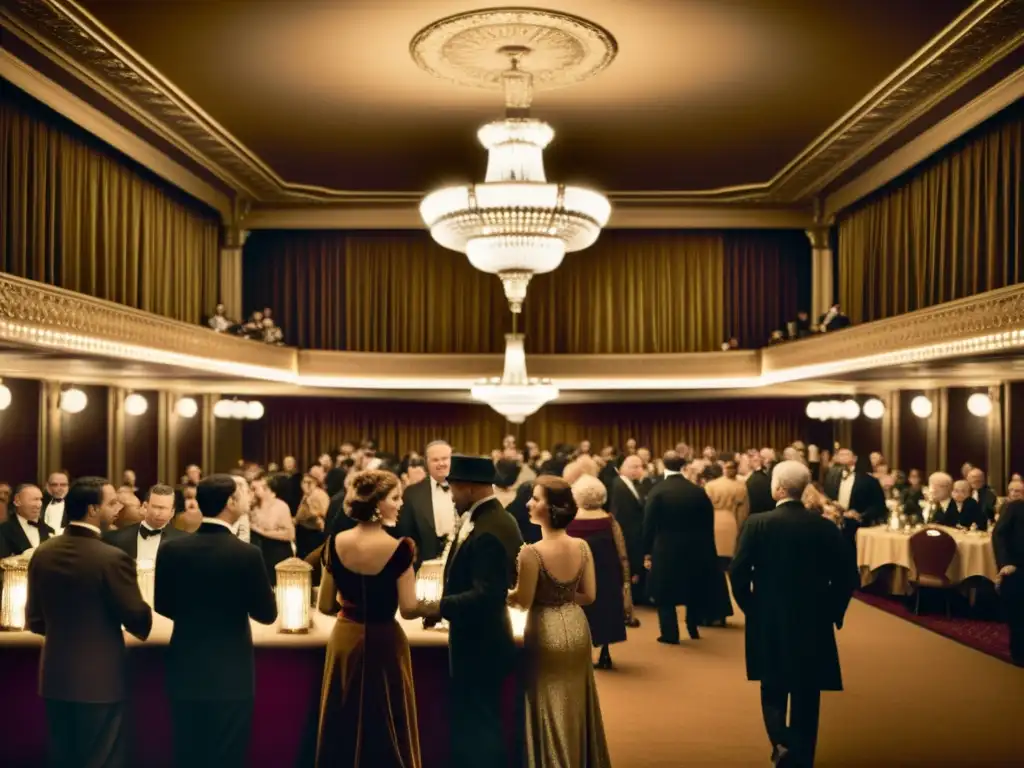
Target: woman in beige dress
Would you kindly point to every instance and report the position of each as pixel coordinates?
(556, 576)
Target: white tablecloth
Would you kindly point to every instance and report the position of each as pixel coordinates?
(877, 547)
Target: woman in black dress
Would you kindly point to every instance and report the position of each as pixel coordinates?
(608, 614)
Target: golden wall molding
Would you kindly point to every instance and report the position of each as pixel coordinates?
(106, 337)
(406, 216)
(71, 36)
(928, 143)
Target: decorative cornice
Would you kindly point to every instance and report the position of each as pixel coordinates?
(34, 316)
(981, 36)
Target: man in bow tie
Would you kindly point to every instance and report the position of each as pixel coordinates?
(53, 501)
(24, 530)
(428, 511)
(142, 540)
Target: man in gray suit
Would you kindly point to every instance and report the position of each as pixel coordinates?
(81, 591)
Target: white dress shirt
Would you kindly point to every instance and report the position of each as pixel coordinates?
(846, 489)
(90, 526)
(53, 515)
(31, 531)
(147, 547)
(668, 473)
(444, 509)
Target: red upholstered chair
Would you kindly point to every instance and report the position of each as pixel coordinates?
(932, 551)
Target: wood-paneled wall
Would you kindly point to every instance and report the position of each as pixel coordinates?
(913, 439)
(19, 433)
(141, 451)
(966, 434)
(84, 436)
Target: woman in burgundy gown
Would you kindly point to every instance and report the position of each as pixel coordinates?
(367, 704)
(608, 614)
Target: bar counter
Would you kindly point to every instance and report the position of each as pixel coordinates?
(289, 670)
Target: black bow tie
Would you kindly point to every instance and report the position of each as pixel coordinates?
(443, 486)
(145, 532)
(33, 523)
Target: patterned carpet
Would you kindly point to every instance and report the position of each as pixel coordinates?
(991, 637)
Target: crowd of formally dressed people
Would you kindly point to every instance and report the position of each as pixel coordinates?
(260, 326)
(800, 327)
(576, 538)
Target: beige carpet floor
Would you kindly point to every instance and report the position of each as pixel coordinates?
(912, 698)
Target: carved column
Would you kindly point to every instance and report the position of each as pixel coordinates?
(822, 280)
(209, 433)
(230, 278)
(49, 455)
(937, 429)
(996, 440)
(891, 428)
(115, 433)
(166, 445)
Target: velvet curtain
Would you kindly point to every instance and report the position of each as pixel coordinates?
(306, 427)
(767, 281)
(632, 292)
(76, 214)
(950, 228)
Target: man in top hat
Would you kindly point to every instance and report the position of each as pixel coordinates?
(480, 570)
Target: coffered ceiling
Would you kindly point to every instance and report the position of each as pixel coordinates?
(770, 101)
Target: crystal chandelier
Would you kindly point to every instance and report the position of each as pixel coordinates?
(515, 396)
(516, 224)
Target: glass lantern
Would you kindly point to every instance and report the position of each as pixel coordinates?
(294, 596)
(430, 584)
(146, 570)
(15, 593)
(518, 617)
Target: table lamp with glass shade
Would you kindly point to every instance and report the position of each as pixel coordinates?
(146, 570)
(15, 593)
(294, 595)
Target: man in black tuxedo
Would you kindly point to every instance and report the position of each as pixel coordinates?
(859, 496)
(480, 570)
(793, 576)
(80, 593)
(627, 507)
(210, 584)
(142, 540)
(679, 550)
(54, 514)
(952, 504)
(1008, 542)
(982, 493)
(428, 511)
(24, 529)
(759, 484)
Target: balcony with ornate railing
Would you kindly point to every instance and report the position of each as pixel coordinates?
(35, 316)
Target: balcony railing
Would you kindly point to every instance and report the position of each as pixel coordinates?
(35, 315)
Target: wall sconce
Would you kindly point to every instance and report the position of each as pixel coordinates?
(921, 407)
(186, 407)
(833, 410)
(146, 570)
(294, 595)
(238, 409)
(135, 404)
(73, 400)
(15, 593)
(979, 405)
(873, 408)
(254, 410)
(5, 396)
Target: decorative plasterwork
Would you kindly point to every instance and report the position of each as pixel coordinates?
(45, 318)
(62, 29)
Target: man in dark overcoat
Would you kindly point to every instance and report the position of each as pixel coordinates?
(792, 575)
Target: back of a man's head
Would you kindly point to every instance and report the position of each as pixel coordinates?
(792, 477)
(673, 462)
(213, 494)
(85, 492)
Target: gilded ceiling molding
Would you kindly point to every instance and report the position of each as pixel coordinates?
(76, 40)
(928, 143)
(41, 318)
(694, 216)
(110, 131)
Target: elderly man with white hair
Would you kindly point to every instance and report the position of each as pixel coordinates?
(952, 504)
(792, 575)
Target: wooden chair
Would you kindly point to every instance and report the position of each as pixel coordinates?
(932, 551)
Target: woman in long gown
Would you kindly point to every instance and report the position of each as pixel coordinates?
(613, 608)
(556, 575)
(367, 703)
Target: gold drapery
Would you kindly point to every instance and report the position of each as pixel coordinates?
(952, 227)
(633, 292)
(306, 427)
(75, 214)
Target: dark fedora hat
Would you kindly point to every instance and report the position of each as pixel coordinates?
(471, 469)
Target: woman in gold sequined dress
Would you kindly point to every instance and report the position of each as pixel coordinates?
(556, 576)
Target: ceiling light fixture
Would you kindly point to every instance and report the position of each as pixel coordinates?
(921, 407)
(73, 400)
(874, 408)
(515, 395)
(186, 407)
(979, 404)
(135, 405)
(5, 396)
(516, 224)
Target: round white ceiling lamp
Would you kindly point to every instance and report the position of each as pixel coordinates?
(850, 409)
(222, 409)
(135, 404)
(813, 410)
(979, 404)
(254, 410)
(833, 410)
(73, 400)
(921, 407)
(5, 396)
(238, 409)
(515, 395)
(186, 407)
(873, 408)
(515, 224)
